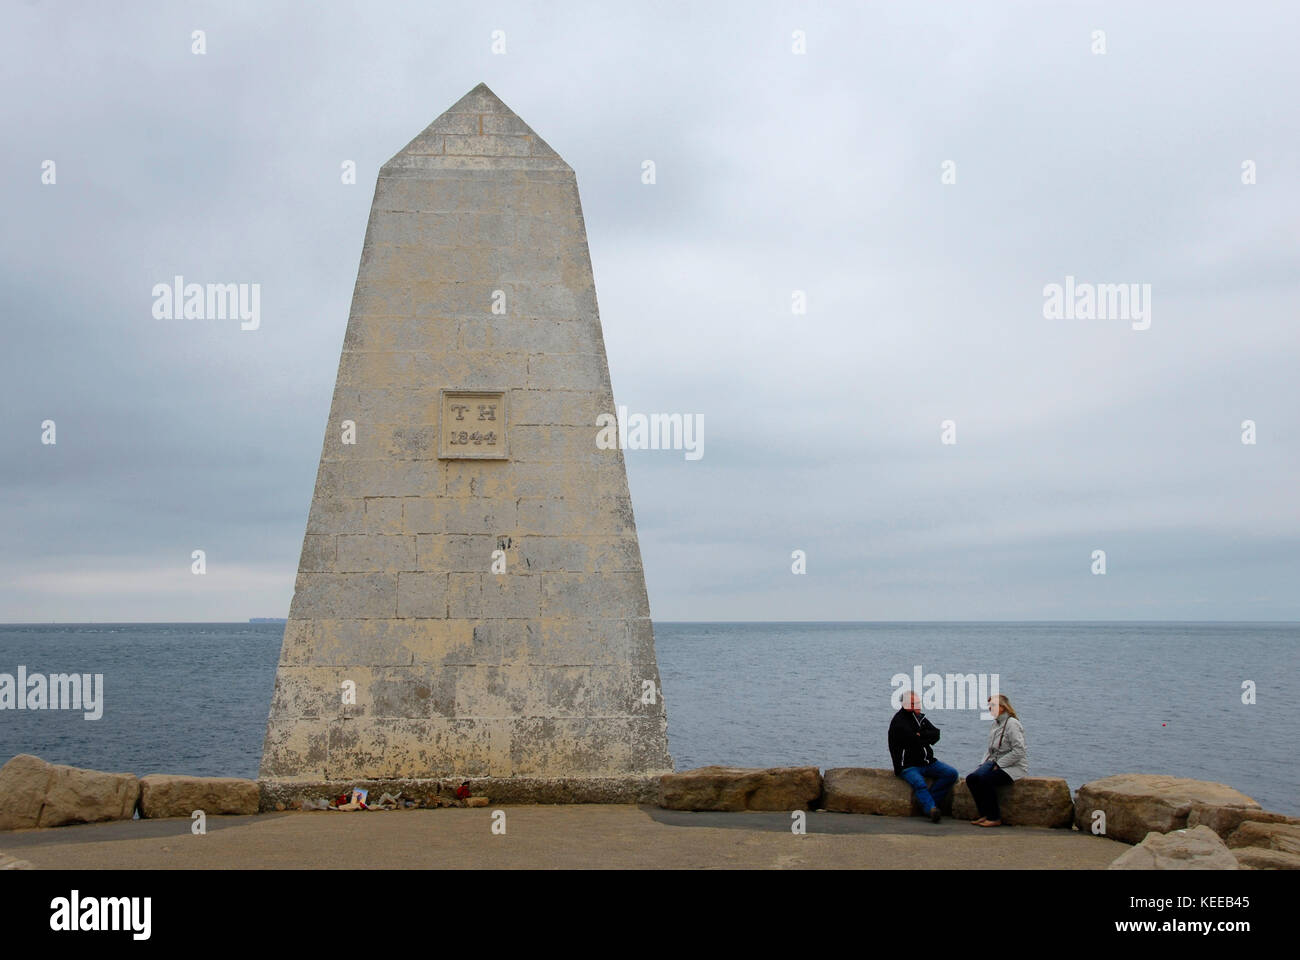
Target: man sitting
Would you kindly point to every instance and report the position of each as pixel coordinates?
(910, 738)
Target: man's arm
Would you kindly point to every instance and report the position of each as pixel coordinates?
(895, 748)
(929, 732)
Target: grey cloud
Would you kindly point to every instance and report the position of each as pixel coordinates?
(775, 173)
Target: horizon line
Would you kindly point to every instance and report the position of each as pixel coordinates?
(274, 620)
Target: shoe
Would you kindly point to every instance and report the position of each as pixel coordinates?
(935, 814)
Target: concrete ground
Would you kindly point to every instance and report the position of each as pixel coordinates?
(579, 836)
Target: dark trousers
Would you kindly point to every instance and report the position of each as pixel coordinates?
(983, 784)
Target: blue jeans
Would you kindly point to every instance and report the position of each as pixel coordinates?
(930, 797)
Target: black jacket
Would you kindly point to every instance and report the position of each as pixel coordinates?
(910, 737)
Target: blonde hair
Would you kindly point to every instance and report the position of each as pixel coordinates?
(1006, 706)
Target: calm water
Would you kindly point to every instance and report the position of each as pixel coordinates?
(1095, 698)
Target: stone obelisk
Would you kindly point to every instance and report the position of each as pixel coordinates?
(470, 601)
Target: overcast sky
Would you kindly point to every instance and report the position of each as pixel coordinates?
(776, 172)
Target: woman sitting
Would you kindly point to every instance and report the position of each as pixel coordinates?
(1005, 762)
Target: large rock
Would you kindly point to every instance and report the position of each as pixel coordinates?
(164, 795)
(34, 793)
(740, 788)
(1283, 837)
(23, 782)
(1197, 848)
(1029, 802)
(867, 790)
(1136, 804)
(1224, 820)
(88, 796)
(1258, 858)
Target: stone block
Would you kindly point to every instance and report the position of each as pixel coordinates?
(1028, 802)
(167, 795)
(1194, 848)
(34, 793)
(1224, 820)
(1136, 804)
(24, 781)
(421, 594)
(1262, 858)
(867, 790)
(741, 788)
(336, 595)
(373, 552)
(1283, 837)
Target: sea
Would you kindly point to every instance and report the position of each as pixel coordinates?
(1212, 701)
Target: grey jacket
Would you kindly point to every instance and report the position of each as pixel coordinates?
(1007, 747)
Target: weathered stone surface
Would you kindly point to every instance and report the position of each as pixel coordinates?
(867, 790)
(1195, 848)
(34, 793)
(1261, 858)
(24, 781)
(1283, 837)
(1137, 803)
(462, 436)
(1028, 802)
(505, 790)
(13, 863)
(741, 788)
(88, 796)
(1033, 801)
(166, 795)
(1224, 820)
